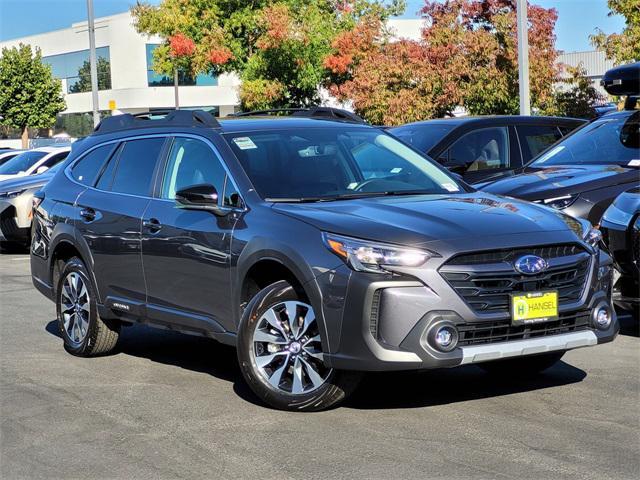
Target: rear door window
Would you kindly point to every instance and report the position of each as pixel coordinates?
(536, 138)
(136, 166)
(86, 170)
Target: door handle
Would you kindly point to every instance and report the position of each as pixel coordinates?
(152, 224)
(89, 214)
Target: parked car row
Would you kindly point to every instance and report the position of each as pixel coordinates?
(322, 247)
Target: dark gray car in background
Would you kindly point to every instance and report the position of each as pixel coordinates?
(319, 248)
(489, 147)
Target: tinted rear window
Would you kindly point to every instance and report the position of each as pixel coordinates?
(536, 138)
(87, 169)
(136, 164)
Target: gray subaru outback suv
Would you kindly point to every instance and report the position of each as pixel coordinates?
(320, 248)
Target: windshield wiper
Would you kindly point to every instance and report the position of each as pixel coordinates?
(348, 196)
(294, 199)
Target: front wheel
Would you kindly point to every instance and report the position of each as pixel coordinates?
(522, 366)
(280, 353)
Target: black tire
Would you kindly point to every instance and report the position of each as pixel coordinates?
(337, 386)
(522, 366)
(101, 335)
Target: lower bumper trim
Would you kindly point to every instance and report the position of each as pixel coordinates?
(497, 351)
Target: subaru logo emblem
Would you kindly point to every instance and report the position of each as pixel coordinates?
(530, 264)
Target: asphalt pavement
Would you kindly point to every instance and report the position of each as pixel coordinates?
(168, 406)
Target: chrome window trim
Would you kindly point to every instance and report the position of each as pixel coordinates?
(68, 168)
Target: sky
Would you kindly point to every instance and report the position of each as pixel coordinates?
(577, 19)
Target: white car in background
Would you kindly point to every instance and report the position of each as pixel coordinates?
(16, 196)
(33, 162)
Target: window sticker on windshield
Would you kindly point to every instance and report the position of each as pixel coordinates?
(244, 143)
(450, 187)
(396, 170)
(634, 163)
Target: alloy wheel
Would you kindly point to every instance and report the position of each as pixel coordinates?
(75, 308)
(287, 349)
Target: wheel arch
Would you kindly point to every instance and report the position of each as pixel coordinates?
(64, 246)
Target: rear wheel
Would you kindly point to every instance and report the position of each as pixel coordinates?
(83, 331)
(522, 366)
(280, 353)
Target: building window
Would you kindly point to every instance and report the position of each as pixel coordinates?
(184, 79)
(75, 68)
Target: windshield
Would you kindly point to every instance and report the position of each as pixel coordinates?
(422, 137)
(21, 163)
(314, 164)
(607, 141)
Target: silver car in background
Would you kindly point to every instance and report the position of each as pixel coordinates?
(15, 205)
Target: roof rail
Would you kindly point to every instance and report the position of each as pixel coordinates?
(326, 113)
(168, 118)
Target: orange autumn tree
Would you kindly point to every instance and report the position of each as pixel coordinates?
(276, 47)
(467, 55)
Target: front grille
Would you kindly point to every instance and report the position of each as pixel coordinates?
(510, 255)
(503, 331)
(486, 280)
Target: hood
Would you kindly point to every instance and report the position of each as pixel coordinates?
(418, 219)
(541, 183)
(20, 183)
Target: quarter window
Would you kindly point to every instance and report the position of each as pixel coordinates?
(87, 169)
(191, 162)
(484, 149)
(136, 164)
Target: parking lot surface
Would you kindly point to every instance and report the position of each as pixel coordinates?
(174, 406)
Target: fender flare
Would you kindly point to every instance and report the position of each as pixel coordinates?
(66, 233)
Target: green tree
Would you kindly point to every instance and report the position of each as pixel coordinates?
(84, 76)
(29, 94)
(277, 48)
(575, 96)
(621, 47)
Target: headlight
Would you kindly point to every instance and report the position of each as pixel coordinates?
(583, 229)
(366, 256)
(593, 236)
(13, 194)
(560, 202)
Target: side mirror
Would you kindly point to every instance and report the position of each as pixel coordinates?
(200, 197)
(41, 169)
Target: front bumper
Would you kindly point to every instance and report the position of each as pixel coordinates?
(376, 324)
(15, 221)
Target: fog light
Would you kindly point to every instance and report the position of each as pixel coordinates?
(602, 317)
(445, 338)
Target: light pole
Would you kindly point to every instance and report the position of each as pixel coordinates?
(523, 57)
(94, 64)
(175, 88)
